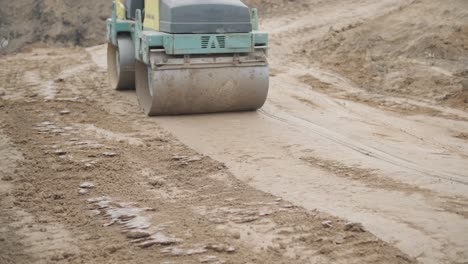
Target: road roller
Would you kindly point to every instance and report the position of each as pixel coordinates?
(188, 56)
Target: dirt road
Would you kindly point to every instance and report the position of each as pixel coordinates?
(279, 185)
(86, 178)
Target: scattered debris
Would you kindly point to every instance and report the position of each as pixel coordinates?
(7, 178)
(69, 99)
(236, 235)
(195, 158)
(224, 215)
(137, 234)
(339, 239)
(177, 157)
(57, 131)
(210, 259)
(87, 185)
(87, 144)
(60, 152)
(354, 227)
(196, 251)
(462, 136)
(173, 251)
(113, 248)
(265, 212)
(464, 84)
(221, 248)
(186, 159)
(327, 224)
(245, 219)
(222, 166)
(161, 239)
(136, 222)
(183, 163)
(231, 249)
(109, 223)
(325, 250)
(126, 218)
(157, 182)
(109, 154)
(57, 196)
(282, 245)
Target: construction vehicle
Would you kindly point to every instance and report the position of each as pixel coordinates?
(188, 56)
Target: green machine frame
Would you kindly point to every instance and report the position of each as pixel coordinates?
(146, 40)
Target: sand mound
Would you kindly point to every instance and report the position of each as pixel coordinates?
(61, 23)
(420, 50)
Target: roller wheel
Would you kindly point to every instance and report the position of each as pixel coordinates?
(121, 64)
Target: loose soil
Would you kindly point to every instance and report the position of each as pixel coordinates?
(359, 155)
(151, 196)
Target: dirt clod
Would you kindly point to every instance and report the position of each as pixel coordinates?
(58, 196)
(325, 250)
(157, 182)
(87, 185)
(464, 84)
(109, 154)
(113, 248)
(236, 235)
(354, 227)
(7, 178)
(327, 224)
(137, 234)
(60, 152)
(339, 239)
(173, 251)
(195, 251)
(209, 259)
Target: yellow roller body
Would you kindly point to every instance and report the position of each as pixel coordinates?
(120, 9)
(151, 20)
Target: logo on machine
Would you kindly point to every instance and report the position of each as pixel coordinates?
(213, 42)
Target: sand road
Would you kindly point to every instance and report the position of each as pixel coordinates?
(404, 176)
(274, 186)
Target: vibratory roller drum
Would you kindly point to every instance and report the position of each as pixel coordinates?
(171, 90)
